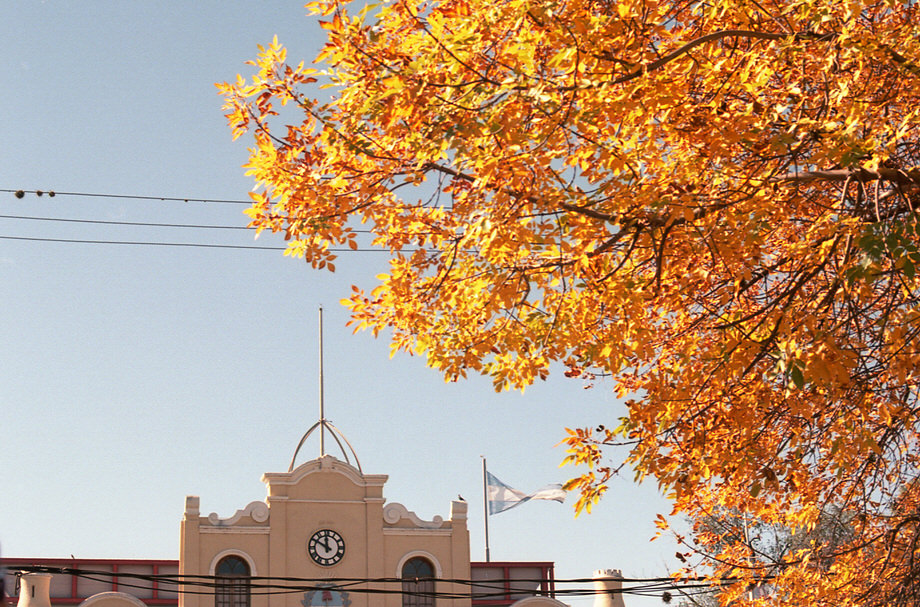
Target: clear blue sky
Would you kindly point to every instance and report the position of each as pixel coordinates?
(132, 376)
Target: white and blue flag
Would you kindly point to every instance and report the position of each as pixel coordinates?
(502, 497)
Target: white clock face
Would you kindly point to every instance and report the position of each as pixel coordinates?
(326, 547)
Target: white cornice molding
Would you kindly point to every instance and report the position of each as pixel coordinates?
(325, 463)
(413, 531)
(239, 529)
(320, 501)
(257, 511)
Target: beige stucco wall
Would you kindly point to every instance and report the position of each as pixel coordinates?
(325, 494)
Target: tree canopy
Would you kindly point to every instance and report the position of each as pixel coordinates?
(711, 204)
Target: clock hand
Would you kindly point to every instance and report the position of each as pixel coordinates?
(325, 543)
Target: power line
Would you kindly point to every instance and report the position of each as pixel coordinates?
(148, 244)
(478, 589)
(146, 224)
(175, 244)
(125, 223)
(53, 193)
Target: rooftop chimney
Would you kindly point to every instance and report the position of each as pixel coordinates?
(608, 583)
(35, 590)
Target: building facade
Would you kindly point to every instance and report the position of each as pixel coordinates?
(327, 520)
(323, 536)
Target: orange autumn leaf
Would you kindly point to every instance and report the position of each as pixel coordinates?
(711, 206)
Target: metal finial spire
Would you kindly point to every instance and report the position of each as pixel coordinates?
(323, 424)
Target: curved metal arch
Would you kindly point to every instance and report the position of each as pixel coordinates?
(323, 424)
(337, 435)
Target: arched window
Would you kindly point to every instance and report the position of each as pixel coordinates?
(232, 588)
(418, 583)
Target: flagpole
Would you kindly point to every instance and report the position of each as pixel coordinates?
(322, 405)
(485, 505)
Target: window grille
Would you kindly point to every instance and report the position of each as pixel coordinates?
(232, 588)
(418, 583)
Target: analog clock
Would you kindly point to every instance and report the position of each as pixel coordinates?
(326, 547)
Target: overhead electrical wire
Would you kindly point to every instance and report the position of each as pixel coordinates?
(19, 193)
(52, 194)
(159, 244)
(478, 589)
(177, 244)
(145, 224)
(125, 223)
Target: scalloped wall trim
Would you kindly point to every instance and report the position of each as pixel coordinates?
(258, 511)
(394, 512)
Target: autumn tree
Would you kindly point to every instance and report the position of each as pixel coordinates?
(712, 204)
(769, 547)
